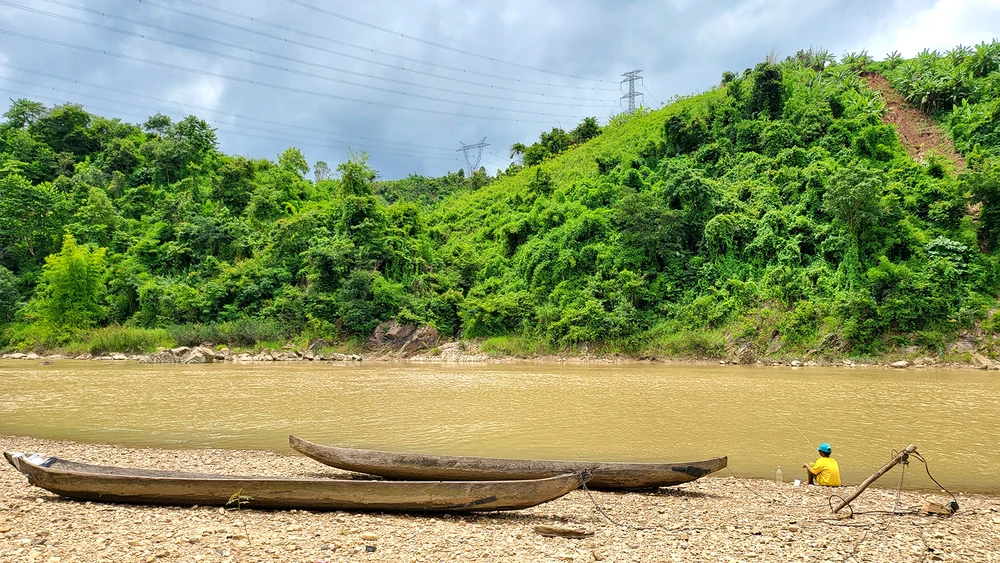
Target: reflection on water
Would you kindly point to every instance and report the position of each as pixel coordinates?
(760, 417)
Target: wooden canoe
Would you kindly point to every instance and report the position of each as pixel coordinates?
(606, 475)
(146, 486)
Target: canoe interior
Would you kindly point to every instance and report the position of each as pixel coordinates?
(147, 486)
(606, 475)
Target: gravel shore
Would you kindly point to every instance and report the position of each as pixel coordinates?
(718, 518)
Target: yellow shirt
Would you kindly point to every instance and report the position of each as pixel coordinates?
(827, 472)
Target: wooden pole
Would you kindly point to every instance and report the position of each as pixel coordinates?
(885, 468)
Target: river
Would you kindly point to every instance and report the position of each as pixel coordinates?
(761, 417)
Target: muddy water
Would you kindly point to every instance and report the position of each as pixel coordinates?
(760, 417)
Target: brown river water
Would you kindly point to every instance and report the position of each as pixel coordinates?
(761, 417)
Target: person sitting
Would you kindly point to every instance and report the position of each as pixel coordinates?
(826, 470)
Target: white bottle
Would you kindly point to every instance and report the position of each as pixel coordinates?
(777, 475)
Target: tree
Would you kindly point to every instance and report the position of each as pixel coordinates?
(27, 214)
(198, 136)
(984, 185)
(234, 183)
(96, 220)
(535, 154)
(9, 295)
(517, 152)
(65, 128)
(555, 140)
(71, 290)
(158, 124)
(294, 161)
(854, 198)
(765, 91)
(585, 131)
(321, 170)
(356, 176)
(23, 113)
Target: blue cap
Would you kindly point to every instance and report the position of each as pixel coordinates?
(825, 448)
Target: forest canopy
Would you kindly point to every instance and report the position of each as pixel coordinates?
(777, 213)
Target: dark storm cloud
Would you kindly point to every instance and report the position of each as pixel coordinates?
(682, 46)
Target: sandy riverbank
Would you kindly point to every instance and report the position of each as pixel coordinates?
(714, 519)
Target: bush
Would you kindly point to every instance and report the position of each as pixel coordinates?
(72, 288)
(246, 331)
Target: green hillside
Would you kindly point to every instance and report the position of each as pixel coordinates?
(776, 215)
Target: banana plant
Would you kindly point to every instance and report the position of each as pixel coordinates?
(893, 59)
(865, 101)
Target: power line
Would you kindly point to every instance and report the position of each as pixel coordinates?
(502, 158)
(292, 142)
(257, 51)
(363, 143)
(280, 68)
(301, 32)
(496, 162)
(258, 82)
(362, 139)
(651, 94)
(439, 45)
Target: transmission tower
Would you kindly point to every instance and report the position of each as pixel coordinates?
(478, 147)
(632, 77)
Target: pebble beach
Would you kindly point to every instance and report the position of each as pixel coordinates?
(717, 518)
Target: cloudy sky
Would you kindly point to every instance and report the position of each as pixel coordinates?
(409, 82)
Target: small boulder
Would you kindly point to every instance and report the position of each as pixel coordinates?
(931, 507)
(981, 361)
(161, 357)
(199, 355)
(900, 364)
(745, 355)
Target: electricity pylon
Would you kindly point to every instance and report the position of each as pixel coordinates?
(632, 77)
(478, 147)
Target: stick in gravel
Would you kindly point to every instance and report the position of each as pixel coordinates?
(885, 468)
(562, 531)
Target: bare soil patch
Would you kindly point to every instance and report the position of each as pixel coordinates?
(918, 132)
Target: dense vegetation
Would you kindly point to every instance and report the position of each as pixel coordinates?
(776, 214)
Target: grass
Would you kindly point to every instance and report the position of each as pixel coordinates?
(517, 346)
(129, 340)
(686, 343)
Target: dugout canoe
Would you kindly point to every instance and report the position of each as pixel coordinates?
(101, 483)
(416, 467)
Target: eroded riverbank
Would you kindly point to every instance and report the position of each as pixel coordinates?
(718, 518)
